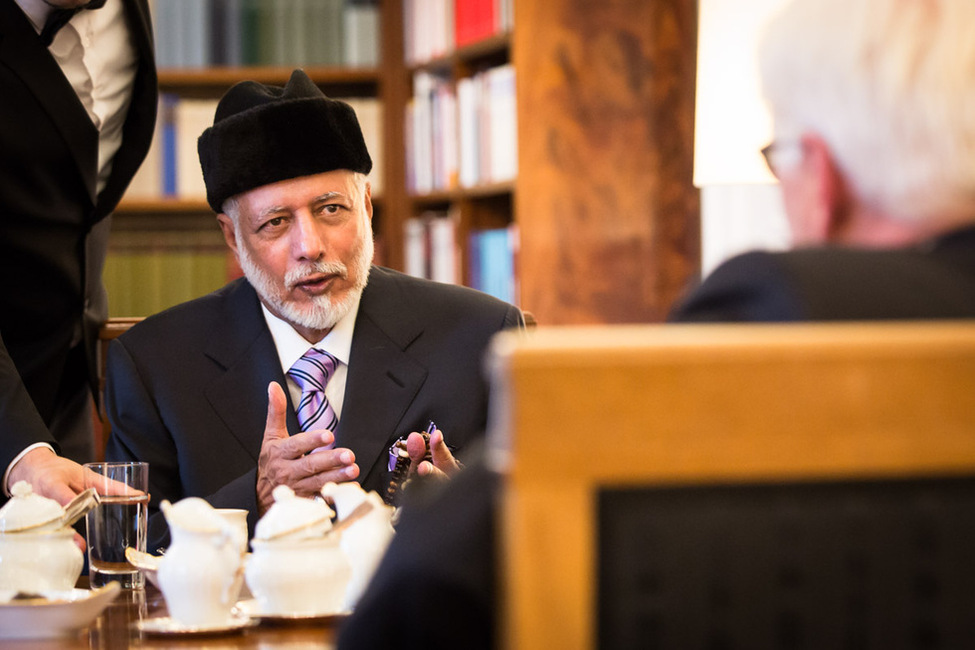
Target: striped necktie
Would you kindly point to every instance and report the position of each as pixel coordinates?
(311, 372)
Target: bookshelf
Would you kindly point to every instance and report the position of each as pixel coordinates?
(606, 213)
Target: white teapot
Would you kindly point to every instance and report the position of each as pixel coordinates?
(296, 569)
(364, 542)
(199, 573)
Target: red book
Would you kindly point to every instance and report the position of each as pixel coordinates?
(474, 20)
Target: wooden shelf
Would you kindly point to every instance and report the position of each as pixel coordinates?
(490, 190)
(491, 50)
(163, 206)
(345, 81)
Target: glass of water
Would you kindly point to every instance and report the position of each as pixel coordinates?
(119, 521)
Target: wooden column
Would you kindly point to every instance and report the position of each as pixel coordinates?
(608, 214)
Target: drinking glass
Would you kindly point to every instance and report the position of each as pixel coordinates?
(119, 521)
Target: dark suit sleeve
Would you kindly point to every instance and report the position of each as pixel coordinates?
(20, 423)
(513, 318)
(752, 287)
(139, 434)
(435, 587)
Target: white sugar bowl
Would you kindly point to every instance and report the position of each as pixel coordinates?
(296, 569)
(37, 553)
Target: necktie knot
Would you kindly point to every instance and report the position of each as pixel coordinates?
(60, 17)
(311, 373)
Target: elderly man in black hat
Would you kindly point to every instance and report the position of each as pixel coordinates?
(314, 350)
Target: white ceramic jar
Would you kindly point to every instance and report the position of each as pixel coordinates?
(303, 577)
(295, 568)
(47, 560)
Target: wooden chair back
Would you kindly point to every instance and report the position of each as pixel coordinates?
(109, 330)
(746, 485)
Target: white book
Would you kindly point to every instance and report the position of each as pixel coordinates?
(447, 129)
(443, 249)
(369, 112)
(467, 129)
(415, 247)
(503, 124)
(192, 117)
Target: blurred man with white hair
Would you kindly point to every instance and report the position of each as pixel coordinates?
(874, 106)
(873, 103)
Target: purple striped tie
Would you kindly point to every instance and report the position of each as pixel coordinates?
(311, 373)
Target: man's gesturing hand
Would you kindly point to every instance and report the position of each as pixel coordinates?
(444, 464)
(286, 460)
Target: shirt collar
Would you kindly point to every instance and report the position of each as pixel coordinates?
(291, 345)
(37, 12)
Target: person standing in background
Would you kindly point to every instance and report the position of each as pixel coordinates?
(79, 90)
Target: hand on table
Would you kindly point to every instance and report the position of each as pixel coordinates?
(287, 460)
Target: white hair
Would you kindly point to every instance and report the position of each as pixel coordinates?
(890, 86)
(322, 313)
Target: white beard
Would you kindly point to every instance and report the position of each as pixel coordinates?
(322, 313)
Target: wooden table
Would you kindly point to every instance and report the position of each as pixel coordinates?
(115, 628)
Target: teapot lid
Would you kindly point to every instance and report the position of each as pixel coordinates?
(27, 510)
(193, 513)
(291, 513)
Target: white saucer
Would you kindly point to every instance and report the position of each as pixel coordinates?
(54, 614)
(251, 608)
(166, 626)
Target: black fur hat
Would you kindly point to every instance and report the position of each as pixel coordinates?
(263, 134)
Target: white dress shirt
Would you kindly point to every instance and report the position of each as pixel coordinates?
(96, 54)
(292, 346)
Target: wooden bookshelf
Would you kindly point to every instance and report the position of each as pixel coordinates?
(210, 82)
(607, 215)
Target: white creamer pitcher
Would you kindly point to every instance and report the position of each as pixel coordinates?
(364, 542)
(198, 574)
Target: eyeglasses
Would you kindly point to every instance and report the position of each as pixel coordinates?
(781, 154)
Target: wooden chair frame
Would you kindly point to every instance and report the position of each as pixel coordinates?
(585, 408)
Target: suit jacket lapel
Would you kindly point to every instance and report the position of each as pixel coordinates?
(21, 51)
(245, 349)
(383, 379)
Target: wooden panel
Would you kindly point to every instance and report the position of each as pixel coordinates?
(680, 405)
(608, 214)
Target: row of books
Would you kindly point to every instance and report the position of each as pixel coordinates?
(430, 246)
(172, 167)
(461, 135)
(204, 33)
(435, 28)
(146, 272)
(432, 251)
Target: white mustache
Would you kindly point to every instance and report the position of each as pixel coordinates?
(298, 274)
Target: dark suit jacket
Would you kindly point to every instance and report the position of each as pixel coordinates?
(932, 280)
(436, 587)
(187, 388)
(53, 229)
